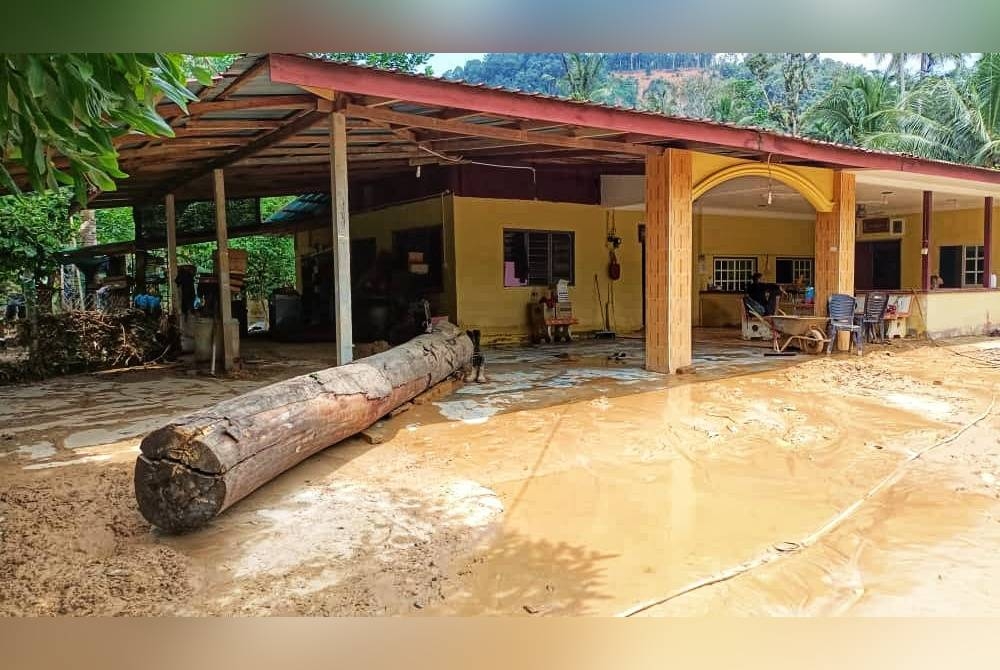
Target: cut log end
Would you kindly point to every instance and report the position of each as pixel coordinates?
(175, 498)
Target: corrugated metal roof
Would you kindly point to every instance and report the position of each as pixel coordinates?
(303, 207)
(298, 162)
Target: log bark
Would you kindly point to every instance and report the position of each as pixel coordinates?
(194, 468)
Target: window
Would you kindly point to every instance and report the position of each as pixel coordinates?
(974, 266)
(787, 270)
(537, 258)
(733, 274)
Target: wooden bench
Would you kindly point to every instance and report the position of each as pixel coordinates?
(549, 329)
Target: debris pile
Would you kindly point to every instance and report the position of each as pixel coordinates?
(80, 341)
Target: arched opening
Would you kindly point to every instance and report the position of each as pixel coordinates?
(772, 173)
(744, 225)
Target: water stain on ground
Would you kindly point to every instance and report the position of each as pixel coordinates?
(562, 486)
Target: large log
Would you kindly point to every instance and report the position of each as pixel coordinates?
(199, 465)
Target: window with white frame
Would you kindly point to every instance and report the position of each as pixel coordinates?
(975, 258)
(733, 274)
(788, 270)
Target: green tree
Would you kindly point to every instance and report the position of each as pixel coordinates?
(854, 110)
(407, 62)
(955, 119)
(897, 62)
(787, 101)
(584, 76)
(33, 229)
(115, 225)
(61, 113)
(740, 101)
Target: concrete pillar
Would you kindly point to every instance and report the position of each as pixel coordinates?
(669, 260)
(834, 243)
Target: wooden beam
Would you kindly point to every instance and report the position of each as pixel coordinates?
(222, 269)
(669, 261)
(925, 237)
(987, 240)
(477, 130)
(233, 124)
(341, 238)
(834, 243)
(171, 214)
(243, 102)
(303, 121)
(243, 79)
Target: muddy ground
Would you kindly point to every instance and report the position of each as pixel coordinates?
(569, 484)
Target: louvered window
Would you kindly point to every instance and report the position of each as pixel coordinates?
(537, 258)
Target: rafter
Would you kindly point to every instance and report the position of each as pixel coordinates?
(477, 130)
(243, 102)
(243, 79)
(307, 119)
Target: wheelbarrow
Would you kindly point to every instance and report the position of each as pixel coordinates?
(808, 332)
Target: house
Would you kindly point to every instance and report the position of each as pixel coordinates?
(498, 194)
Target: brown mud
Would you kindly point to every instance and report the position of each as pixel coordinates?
(569, 484)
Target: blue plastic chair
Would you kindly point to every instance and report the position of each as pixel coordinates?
(873, 317)
(840, 308)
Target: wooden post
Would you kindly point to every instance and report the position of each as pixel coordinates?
(987, 240)
(341, 238)
(175, 295)
(834, 243)
(925, 243)
(222, 267)
(139, 267)
(669, 256)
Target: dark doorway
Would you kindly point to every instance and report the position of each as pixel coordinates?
(877, 265)
(363, 253)
(950, 266)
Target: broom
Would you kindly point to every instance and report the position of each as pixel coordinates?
(607, 333)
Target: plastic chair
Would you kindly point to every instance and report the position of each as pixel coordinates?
(840, 308)
(873, 317)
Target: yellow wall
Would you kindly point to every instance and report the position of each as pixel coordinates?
(380, 224)
(765, 239)
(501, 313)
(949, 227)
(955, 313)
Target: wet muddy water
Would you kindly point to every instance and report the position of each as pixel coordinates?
(571, 485)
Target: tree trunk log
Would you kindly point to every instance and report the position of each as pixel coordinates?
(193, 469)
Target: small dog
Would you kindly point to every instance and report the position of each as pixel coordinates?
(477, 373)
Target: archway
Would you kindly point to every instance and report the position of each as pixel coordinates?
(772, 173)
(745, 224)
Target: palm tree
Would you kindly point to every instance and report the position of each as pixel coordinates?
(585, 77)
(955, 119)
(855, 109)
(897, 65)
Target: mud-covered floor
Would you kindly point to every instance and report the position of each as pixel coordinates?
(573, 482)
